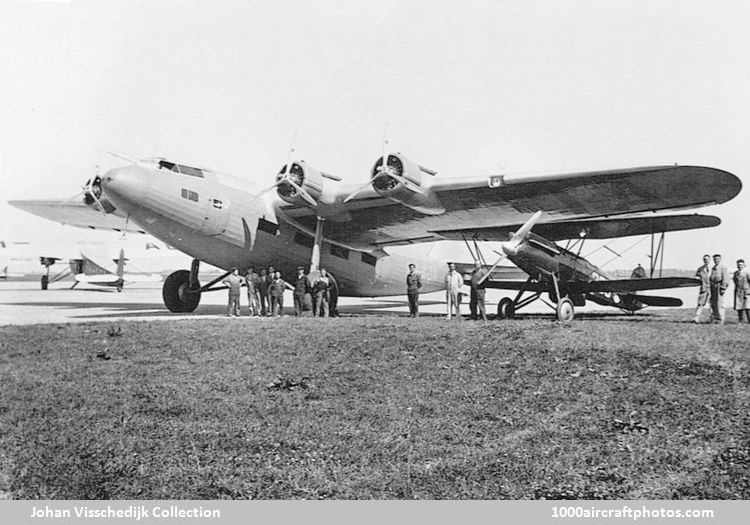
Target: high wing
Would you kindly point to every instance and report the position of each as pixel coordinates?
(612, 285)
(77, 214)
(495, 205)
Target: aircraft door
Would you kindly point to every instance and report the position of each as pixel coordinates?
(216, 215)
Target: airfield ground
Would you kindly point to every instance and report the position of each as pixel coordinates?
(375, 406)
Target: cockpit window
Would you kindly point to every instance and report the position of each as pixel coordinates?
(181, 168)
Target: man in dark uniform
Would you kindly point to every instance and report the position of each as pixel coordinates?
(478, 289)
(269, 278)
(703, 273)
(301, 288)
(413, 284)
(276, 291)
(263, 291)
(322, 291)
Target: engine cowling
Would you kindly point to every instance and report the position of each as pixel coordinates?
(403, 181)
(303, 176)
(93, 194)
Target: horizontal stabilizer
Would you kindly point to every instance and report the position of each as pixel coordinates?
(651, 300)
(591, 228)
(632, 285)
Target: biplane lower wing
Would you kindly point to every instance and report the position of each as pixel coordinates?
(602, 286)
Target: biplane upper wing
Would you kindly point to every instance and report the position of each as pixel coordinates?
(494, 205)
(604, 228)
(76, 213)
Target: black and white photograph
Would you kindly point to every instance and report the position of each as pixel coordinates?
(374, 250)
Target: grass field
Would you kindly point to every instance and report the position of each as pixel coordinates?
(376, 407)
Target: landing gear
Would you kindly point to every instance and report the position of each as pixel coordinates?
(179, 296)
(45, 282)
(506, 308)
(565, 311)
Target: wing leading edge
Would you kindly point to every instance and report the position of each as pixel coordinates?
(76, 214)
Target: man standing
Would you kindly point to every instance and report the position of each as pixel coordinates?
(276, 291)
(233, 282)
(269, 279)
(703, 273)
(718, 281)
(478, 289)
(742, 291)
(413, 284)
(321, 292)
(263, 291)
(253, 291)
(453, 283)
(301, 288)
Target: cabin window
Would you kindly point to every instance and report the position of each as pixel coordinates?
(268, 226)
(304, 240)
(338, 251)
(216, 203)
(369, 259)
(190, 195)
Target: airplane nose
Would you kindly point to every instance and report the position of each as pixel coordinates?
(510, 248)
(127, 183)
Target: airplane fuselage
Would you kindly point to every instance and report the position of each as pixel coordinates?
(542, 259)
(215, 218)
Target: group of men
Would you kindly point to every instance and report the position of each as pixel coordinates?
(265, 292)
(454, 291)
(715, 282)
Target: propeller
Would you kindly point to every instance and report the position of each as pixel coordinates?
(510, 247)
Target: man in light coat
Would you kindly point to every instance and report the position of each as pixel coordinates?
(453, 284)
(719, 282)
(742, 291)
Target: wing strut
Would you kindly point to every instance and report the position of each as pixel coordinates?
(658, 256)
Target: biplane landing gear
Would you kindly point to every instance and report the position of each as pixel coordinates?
(181, 290)
(506, 308)
(565, 311)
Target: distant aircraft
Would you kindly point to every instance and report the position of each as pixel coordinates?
(86, 271)
(87, 260)
(570, 280)
(226, 221)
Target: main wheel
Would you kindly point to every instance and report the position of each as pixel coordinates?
(565, 310)
(176, 293)
(506, 309)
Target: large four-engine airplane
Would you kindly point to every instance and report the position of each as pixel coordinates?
(226, 221)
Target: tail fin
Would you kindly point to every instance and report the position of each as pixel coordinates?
(121, 263)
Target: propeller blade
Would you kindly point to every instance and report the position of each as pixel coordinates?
(266, 190)
(302, 192)
(524, 230)
(499, 260)
(365, 186)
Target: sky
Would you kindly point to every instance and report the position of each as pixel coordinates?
(464, 88)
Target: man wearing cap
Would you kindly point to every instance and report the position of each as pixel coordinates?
(413, 284)
(233, 282)
(301, 288)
